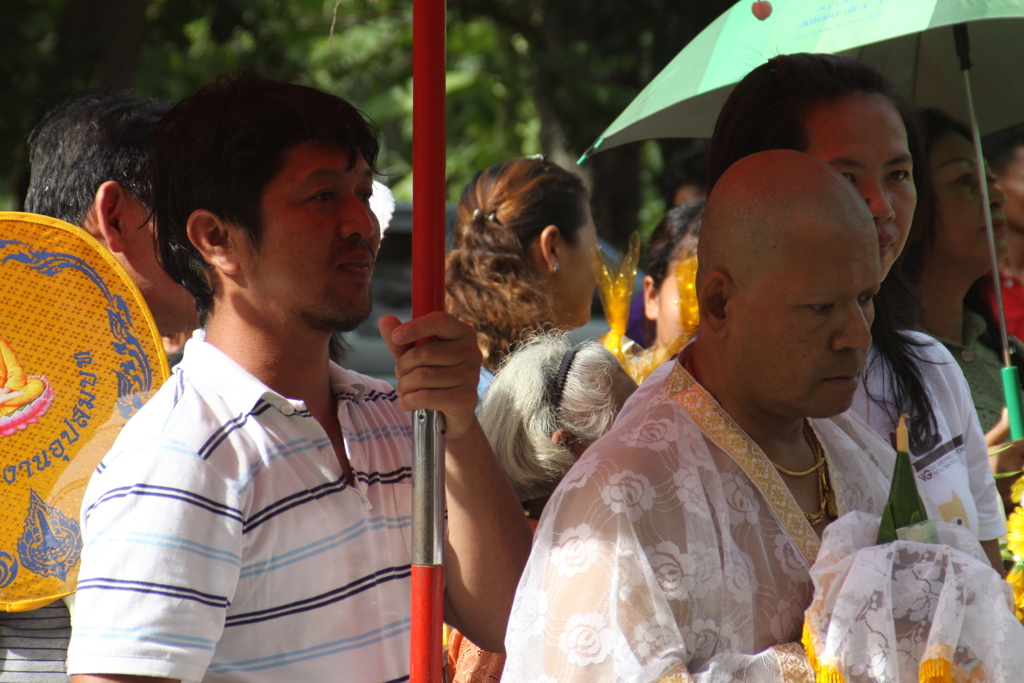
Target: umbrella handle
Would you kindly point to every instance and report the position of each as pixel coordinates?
(1011, 391)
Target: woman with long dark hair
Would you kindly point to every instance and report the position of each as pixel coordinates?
(952, 265)
(849, 116)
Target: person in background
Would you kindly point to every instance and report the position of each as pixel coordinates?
(1004, 152)
(683, 180)
(953, 265)
(668, 279)
(252, 521)
(555, 400)
(88, 162)
(89, 166)
(685, 176)
(549, 403)
(849, 116)
(521, 260)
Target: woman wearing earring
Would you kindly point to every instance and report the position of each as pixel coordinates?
(521, 261)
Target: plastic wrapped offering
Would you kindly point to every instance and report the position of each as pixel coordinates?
(904, 612)
(904, 516)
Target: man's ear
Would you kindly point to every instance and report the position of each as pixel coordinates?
(108, 220)
(713, 297)
(218, 245)
(545, 250)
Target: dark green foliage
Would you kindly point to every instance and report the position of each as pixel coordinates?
(525, 76)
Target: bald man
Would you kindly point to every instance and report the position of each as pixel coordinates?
(680, 544)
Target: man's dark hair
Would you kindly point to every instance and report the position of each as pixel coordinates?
(1001, 147)
(219, 148)
(85, 142)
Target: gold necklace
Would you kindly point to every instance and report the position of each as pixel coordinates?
(826, 497)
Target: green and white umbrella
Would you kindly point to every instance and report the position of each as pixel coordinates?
(911, 41)
(963, 56)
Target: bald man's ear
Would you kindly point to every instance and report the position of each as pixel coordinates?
(216, 241)
(712, 297)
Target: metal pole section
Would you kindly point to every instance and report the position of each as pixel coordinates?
(428, 546)
(1010, 375)
(427, 529)
(428, 160)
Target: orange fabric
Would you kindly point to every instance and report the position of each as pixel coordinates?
(468, 663)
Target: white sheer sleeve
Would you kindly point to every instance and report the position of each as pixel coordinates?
(657, 558)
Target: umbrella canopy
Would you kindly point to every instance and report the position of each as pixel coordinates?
(911, 41)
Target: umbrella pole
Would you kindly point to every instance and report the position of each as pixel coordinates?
(428, 235)
(1011, 376)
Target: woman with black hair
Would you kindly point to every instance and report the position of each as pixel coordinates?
(849, 116)
(952, 265)
(668, 283)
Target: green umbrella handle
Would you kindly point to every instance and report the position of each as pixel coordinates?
(1011, 390)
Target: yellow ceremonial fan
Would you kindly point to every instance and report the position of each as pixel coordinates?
(79, 355)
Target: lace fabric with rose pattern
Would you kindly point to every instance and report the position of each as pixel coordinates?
(674, 550)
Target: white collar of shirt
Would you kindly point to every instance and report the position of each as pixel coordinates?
(217, 372)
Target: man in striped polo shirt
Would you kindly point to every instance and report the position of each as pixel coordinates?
(252, 522)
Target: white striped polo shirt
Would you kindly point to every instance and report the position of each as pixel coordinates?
(222, 542)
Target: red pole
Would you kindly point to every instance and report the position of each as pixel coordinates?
(428, 156)
(428, 237)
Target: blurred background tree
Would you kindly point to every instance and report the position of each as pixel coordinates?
(525, 76)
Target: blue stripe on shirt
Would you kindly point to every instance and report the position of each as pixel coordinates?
(150, 490)
(285, 658)
(145, 635)
(221, 433)
(171, 542)
(394, 477)
(377, 433)
(106, 583)
(316, 493)
(317, 601)
(333, 541)
(292, 501)
(374, 395)
(283, 451)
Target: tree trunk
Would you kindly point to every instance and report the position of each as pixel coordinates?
(125, 33)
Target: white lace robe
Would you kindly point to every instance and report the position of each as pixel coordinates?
(673, 548)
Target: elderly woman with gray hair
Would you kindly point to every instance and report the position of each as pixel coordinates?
(550, 400)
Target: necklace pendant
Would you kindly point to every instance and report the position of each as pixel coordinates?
(830, 502)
